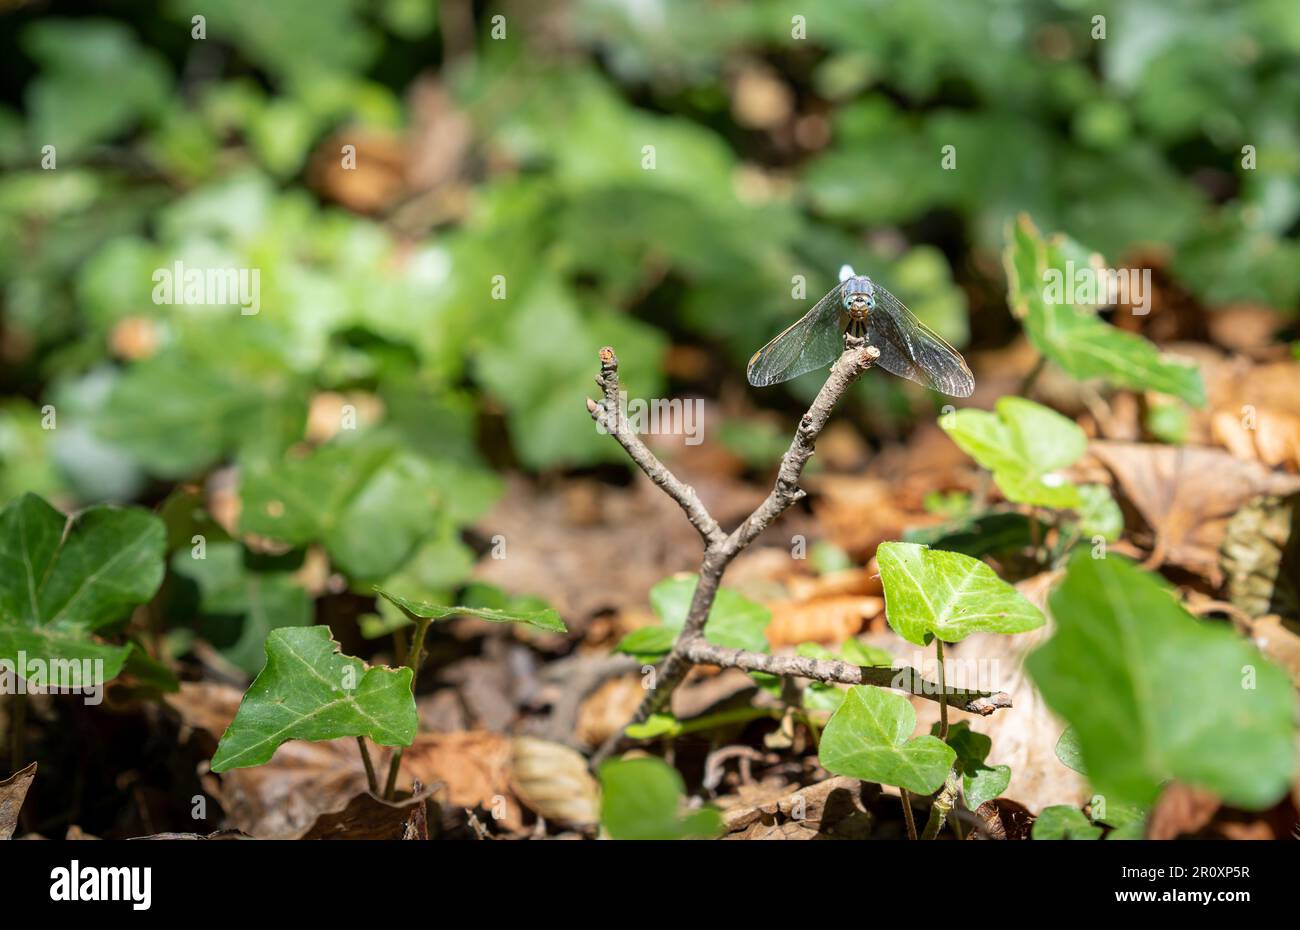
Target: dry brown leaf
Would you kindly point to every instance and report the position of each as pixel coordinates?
(858, 513)
(608, 709)
(471, 768)
(825, 620)
(1280, 642)
(13, 791)
(1187, 495)
(554, 782)
(366, 817)
(836, 807)
(1181, 811)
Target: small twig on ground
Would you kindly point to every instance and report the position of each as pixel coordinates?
(721, 548)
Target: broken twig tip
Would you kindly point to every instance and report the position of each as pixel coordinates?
(607, 356)
(592, 406)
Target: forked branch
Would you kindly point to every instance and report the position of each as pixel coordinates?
(720, 548)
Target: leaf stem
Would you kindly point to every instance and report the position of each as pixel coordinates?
(370, 766)
(907, 813)
(415, 655)
(943, 688)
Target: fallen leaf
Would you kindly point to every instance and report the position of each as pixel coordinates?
(554, 782)
(366, 817)
(1187, 495)
(824, 620)
(13, 791)
(1181, 811)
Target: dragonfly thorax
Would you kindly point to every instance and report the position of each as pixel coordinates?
(858, 296)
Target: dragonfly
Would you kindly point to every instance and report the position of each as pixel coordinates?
(861, 307)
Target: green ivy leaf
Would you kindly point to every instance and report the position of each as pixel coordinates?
(309, 690)
(61, 580)
(1069, 751)
(648, 643)
(1083, 345)
(1153, 693)
(980, 782)
(868, 738)
(735, 621)
(656, 725)
(641, 799)
(929, 593)
(1099, 514)
(545, 618)
(1061, 822)
(369, 505)
(1024, 444)
(263, 601)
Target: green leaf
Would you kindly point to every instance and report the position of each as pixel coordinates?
(369, 505)
(656, 725)
(648, 643)
(1099, 514)
(1024, 444)
(544, 619)
(1153, 693)
(641, 799)
(980, 782)
(1083, 345)
(929, 593)
(868, 738)
(61, 580)
(859, 653)
(1069, 752)
(263, 601)
(977, 535)
(309, 690)
(1061, 822)
(94, 81)
(734, 621)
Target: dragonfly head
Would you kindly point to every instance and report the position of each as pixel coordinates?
(859, 295)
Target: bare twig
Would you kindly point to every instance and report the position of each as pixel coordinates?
(720, 548)
(702, 652)
(609, 415)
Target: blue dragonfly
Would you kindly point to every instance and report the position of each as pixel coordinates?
(861, 307)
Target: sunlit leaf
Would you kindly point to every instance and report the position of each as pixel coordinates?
(870, 737)
(931, 593)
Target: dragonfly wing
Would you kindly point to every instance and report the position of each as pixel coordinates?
(814, 341)
(910, 349)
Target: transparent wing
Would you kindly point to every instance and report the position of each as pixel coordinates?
(814, 341)
(910, 349)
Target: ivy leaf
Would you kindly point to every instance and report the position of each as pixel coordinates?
(648, 643)
(309, 690)
(369, 505)
(1069, 752)
(868, 738)
(641, 799)
(655, 725)
(1152, 693)
(929, 593)
(545, 618)
(980, 782)
(1099, 514)
(1062, 822)
(61, 579)
(262, 601)
(1083, 345)
(735, 621)
(1024, 444)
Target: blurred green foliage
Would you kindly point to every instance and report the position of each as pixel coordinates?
(170, 148)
